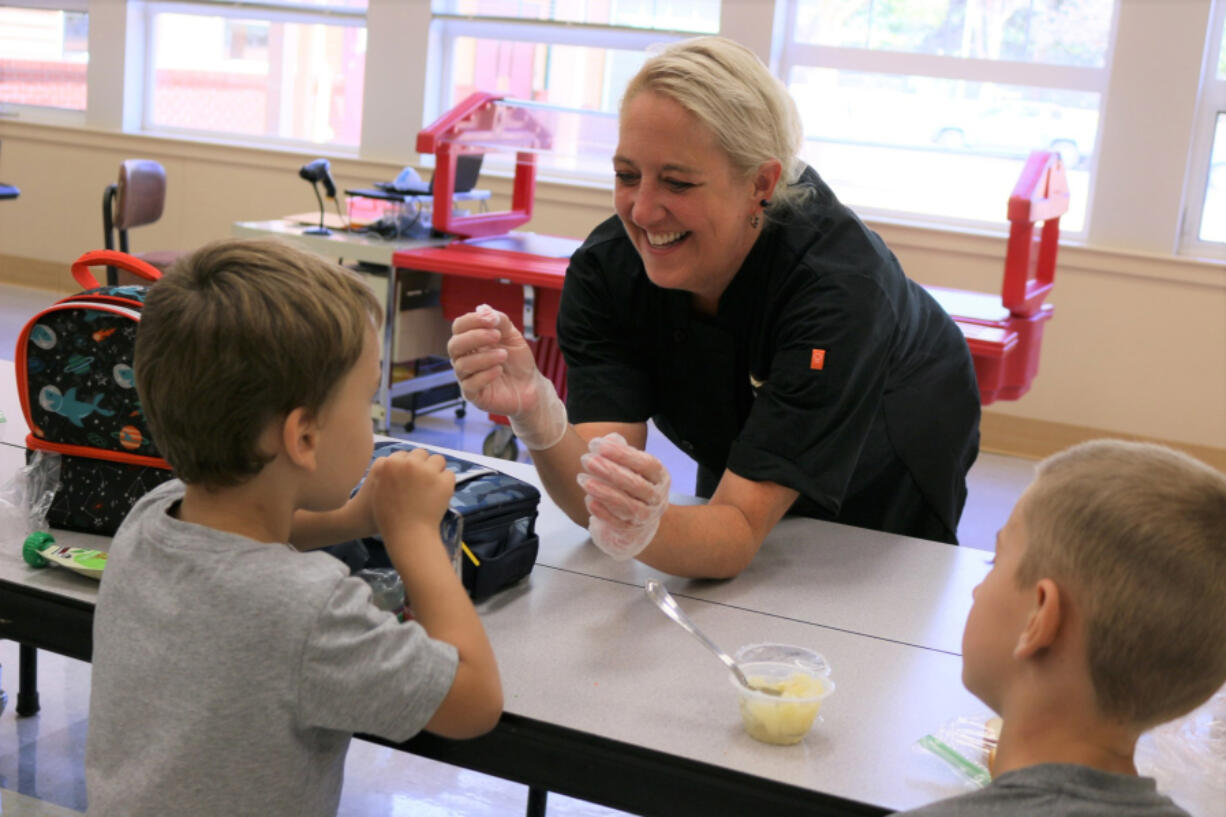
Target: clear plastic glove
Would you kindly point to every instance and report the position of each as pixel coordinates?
(497, 373)
(627, 493)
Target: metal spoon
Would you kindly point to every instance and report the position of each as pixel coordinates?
(665, 601)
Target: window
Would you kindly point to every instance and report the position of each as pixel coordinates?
(1206, 190)
(44, 55)
(572, 56)
(931, 106)
(287, 71)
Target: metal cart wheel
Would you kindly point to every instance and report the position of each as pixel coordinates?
(501, 443)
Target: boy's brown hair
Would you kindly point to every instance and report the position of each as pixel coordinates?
(239, 334)
(1136, 535)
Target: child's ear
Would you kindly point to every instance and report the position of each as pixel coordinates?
(300, 438)
(1046, 619)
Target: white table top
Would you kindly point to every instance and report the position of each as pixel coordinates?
(356, 246)
(889, 587)
(598, 657)
(13, 429)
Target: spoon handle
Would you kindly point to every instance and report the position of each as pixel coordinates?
(665, 601)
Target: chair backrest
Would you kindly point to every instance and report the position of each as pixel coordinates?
(141, 193)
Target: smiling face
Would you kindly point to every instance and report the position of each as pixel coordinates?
(684, 206)
(997, 618)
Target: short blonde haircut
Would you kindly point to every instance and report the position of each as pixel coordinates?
(727, 88)
(1136, 533)
(239, 334)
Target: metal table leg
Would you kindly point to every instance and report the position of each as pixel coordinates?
(27, 692)
(536, 801)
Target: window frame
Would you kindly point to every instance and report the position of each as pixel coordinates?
(1211, 103)
(1091, 79)
(447, 27)
(47, 114)
(275, 12)
(49, 5)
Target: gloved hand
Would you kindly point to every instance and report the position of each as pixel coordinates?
(498, 374)
(627, 493)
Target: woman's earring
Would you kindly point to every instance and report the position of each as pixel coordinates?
(757, 218)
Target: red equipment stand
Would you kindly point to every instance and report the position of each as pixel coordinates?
(1005, 335)
(517, 273)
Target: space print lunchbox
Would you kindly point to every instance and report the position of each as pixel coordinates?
(78, 394)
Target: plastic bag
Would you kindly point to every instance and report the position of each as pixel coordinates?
(26, 497)
(386, 588)
(967, 745)
(1188, 755)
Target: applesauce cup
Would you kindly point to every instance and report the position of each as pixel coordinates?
(802, 679)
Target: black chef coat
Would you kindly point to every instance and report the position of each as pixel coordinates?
(825, 370)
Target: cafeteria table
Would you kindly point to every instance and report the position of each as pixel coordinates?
(609, 701)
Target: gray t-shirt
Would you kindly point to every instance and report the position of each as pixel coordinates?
(229, 674)
(1058, 790)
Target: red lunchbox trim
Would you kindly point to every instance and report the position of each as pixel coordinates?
(111, 258)
(37, 444)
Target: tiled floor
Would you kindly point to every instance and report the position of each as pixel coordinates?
(43, 756)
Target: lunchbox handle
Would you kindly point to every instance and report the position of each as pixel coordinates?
(111, 258)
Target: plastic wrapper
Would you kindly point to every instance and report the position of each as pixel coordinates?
(387, 589)
(1187, 756)
(26, 497)
(967, 746)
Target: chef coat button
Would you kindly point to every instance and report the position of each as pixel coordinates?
(687, 446)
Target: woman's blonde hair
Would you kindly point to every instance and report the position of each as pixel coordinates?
(726, 87)
(1136, 534)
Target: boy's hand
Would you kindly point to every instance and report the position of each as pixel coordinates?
(410, 488)
(360, 509)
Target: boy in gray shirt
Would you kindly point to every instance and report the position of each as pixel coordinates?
(1104, 615)
(230, 669)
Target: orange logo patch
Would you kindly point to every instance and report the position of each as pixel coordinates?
(818, 360)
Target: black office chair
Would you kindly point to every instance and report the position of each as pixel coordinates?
(136, 200)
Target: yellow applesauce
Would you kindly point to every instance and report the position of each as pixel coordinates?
(786, 719)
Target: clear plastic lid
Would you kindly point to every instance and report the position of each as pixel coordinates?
(801, 657)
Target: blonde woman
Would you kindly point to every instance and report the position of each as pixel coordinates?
(764, 328)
